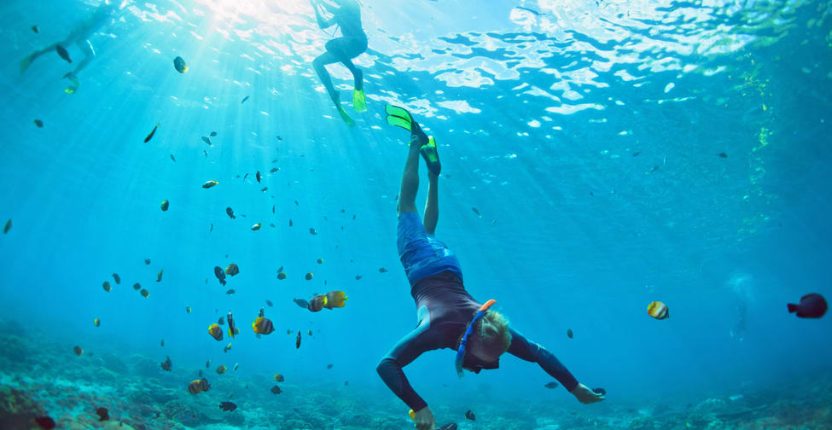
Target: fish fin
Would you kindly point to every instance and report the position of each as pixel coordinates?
(339, 299)
(792, 308)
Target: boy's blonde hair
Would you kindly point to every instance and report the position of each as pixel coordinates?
(494, 337)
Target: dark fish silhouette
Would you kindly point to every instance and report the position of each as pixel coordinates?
(551, 385)
(8, 226)
(38, 123)
(228, 406)
(469, 414)
(220, 274)
(167, 365)
(811, 306)
(569, 333)
(63, 53)
(46, 423)
(297, 340)
(244, 99)
(103, 414)
(152, 133)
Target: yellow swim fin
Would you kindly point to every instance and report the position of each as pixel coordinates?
(359, 101)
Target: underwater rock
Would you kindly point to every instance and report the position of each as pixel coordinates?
(187, 415)
(17, 409)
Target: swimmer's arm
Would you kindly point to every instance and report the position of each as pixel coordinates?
(521, 348)
(407, 350)
(323, 23)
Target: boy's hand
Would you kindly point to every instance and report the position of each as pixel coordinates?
(585, 395)
(424, 419)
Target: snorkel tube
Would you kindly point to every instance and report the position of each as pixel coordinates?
(460, 353)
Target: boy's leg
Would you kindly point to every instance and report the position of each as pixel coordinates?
(432, 204)
(410, 178)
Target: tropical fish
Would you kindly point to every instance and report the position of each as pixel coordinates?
(220, 274)
(78, 350)
(330, 300)
(147, 262)
(103, 414)
(723, 155)
(297, 340)
(232, 328)
(215, 331)
(137, 286)
(358, 277)
(312, 231)
(255, 227)
(221, 321)
(276, 390)
(279, 377)
(198, 386)
(281, 275)
(291, 223)
(35, 29)
(320, 261)
(96, 322)
(302, 303)
(469, 414)
(106, 286)
(228, 406)
(309, 276)
(150, 135)
(210, 184)
(811, 306)
(165, 205)
(144, 293)
(551, 385)
(658, 310)
(309, 333)
(230, 212)
(236, 366)
(213, 134)
(232, 270)
(38, 123)
(159, 275)
(221, 369)
(180, 65)
(167, 365)
(116, 278)
(262, 325)
(569, 333)
(231, 291)
(63, 53)
(269, 303)
(244, 100)
(274, 170)
(227, 347)
(207, 140)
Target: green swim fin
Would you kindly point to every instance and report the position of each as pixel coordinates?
(359, 101)
(74, 83)
(399, 117)
(345, 116)
(430, 153)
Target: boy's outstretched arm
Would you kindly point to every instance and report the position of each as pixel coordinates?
(323, 23)
(390, 367)
(521, 348)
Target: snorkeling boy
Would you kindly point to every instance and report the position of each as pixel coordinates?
(80, 37)
(346, 14)
(448, 316)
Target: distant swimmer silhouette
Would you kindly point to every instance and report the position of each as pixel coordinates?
(346, 14)
(79, 36)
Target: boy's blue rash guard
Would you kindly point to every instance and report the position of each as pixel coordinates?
(444, 311)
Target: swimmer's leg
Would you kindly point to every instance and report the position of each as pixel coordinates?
(432, 204)
(29, 59)
(410, 178)
(345, 49)
(320, 68)
(89, 55)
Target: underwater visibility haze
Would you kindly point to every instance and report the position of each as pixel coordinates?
(642, 186)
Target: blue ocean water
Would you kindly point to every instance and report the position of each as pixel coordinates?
(597, 156)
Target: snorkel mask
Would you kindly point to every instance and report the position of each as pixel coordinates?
(460, 353)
